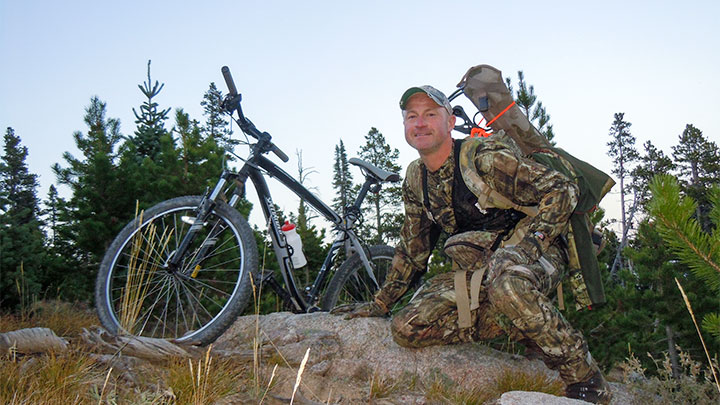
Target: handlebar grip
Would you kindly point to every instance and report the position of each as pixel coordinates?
(280, 153)
(229, 81)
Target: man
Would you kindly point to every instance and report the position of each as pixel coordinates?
(507, 262)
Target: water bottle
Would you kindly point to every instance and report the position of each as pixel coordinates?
(293, 240)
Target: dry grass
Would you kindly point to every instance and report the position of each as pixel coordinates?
(382, 386)
(141, 268)
(206, 380)
(65, 319)
(64, 379)
(441, 389)
(695, 384)
(514, 380)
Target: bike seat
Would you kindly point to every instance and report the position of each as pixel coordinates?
(380, 174)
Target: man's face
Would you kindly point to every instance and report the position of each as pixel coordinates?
(427, 125)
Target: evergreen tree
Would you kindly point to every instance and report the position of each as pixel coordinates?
(385, 207)
(102, 190)
(653, 162)
(699, 162)
(526, 99)
(21, 237)
(622, 151)
(150, 126)
(64, 277)
(697, 249)
(627, 320)
(342, 179)
(216, 125)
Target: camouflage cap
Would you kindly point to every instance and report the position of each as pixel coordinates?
(435, 95)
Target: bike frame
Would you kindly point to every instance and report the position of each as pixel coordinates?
(255, 168)
(304, 301)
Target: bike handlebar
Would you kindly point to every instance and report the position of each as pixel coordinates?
(229, 81)
(232, 90)
(280, 154)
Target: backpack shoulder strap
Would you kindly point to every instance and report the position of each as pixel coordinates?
(426, 199)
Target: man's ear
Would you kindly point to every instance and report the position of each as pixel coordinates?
(451, 123)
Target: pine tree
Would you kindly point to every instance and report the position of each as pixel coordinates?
(21, 237)
(699, 162)
(150, 126)
(64, 277)
(216, 125)
(342, 179)
(535, 111)
(622, 151)
(385, 206)
(102, 199)
(673, 215)
(653, 162)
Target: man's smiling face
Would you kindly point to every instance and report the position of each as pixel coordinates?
(427, 125)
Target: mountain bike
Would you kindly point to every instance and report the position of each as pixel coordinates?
(182, 269)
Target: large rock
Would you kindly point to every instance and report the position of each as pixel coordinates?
(364, 346)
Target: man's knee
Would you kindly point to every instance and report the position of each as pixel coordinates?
(508, 286)
(403, 332)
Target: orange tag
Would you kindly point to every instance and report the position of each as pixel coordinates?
(479, 132)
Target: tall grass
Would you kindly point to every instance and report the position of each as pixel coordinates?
(141, 269)
(50, 379)
(206, 380)
(439, 388)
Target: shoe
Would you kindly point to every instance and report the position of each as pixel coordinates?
(594, 390)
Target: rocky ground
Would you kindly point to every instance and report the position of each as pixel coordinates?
(339, 362)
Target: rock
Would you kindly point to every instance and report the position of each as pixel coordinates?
(535, 398)
(362, 347)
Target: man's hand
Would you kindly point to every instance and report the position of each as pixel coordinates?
(359, 310)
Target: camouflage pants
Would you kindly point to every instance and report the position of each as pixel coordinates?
(513, 301)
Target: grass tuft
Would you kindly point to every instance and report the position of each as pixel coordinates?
(51, 379)
(514, 380)
(141, 269)
(65, 319)
(206, 381)
(695, 384)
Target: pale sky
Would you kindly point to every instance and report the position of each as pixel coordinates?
(314, 72)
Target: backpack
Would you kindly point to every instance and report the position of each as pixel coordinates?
(484, 86)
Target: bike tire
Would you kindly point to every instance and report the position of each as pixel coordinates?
(352, 284)
(137, 293)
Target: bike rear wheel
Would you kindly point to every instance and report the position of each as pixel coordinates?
(351, 283)
(138, 292)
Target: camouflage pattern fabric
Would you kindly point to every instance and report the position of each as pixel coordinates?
(514, 299)
(469, 250)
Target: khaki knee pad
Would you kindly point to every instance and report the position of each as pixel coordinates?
(469, 250)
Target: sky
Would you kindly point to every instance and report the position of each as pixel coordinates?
(313, 73)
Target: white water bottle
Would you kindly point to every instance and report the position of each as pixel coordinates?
(293, 239)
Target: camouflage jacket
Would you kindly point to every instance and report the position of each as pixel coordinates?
(497, 162)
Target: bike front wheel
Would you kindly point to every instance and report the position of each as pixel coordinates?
(352, 283)
(140, 291)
